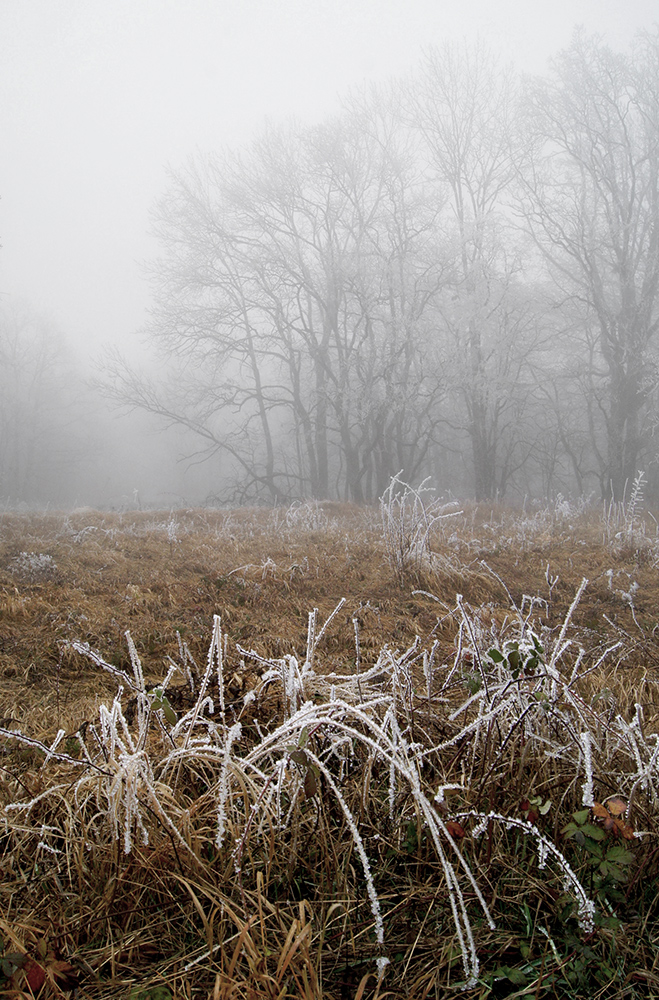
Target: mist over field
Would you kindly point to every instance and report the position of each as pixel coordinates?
(261, 252)
(329, 398)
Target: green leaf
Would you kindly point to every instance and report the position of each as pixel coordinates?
(594, 832)
(517, 977)
(304, 736)
(169, 713)
(495, 655)
(411, 837)
(12, 961)
(619, 855)
(594, 848)
(581, 816)
(513, 659)
(17, 958)
(545, 807)
(611, 923)
(613, 871)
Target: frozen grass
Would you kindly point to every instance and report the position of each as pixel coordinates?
(33, 566)
(411, 517)
(400, 794)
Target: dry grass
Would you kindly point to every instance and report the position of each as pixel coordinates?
(289, 914)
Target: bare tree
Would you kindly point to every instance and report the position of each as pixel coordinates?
(339, 302)
(41, 442)
(592, 206)
(291, 297)
(463, 105)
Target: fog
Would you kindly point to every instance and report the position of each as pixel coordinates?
(106, 106)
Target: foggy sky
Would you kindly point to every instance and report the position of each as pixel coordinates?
(97, 97)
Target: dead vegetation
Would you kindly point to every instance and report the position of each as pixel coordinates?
(397, 795)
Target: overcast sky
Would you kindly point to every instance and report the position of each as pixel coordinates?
(98, 97)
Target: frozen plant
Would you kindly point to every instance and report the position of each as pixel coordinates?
(306, 515)
(624, 528)
(546, 849)
(264, 775)
(563, 507)
(172, 531)
(33, 566)
(587, 787)
(408, 516)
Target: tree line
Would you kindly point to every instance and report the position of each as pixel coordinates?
(457, 276)
(42, 436)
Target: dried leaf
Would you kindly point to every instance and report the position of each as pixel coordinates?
(455, 829)
(35, 975)
(616, 806)
(310, 784)
(59, 969)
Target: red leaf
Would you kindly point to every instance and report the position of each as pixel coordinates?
(35, 975)
(456, 831)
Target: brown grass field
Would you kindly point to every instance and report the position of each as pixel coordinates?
(158, 850)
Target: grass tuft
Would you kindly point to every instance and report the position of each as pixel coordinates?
(256, 754)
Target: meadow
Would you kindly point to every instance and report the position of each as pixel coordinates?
(330, 751)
